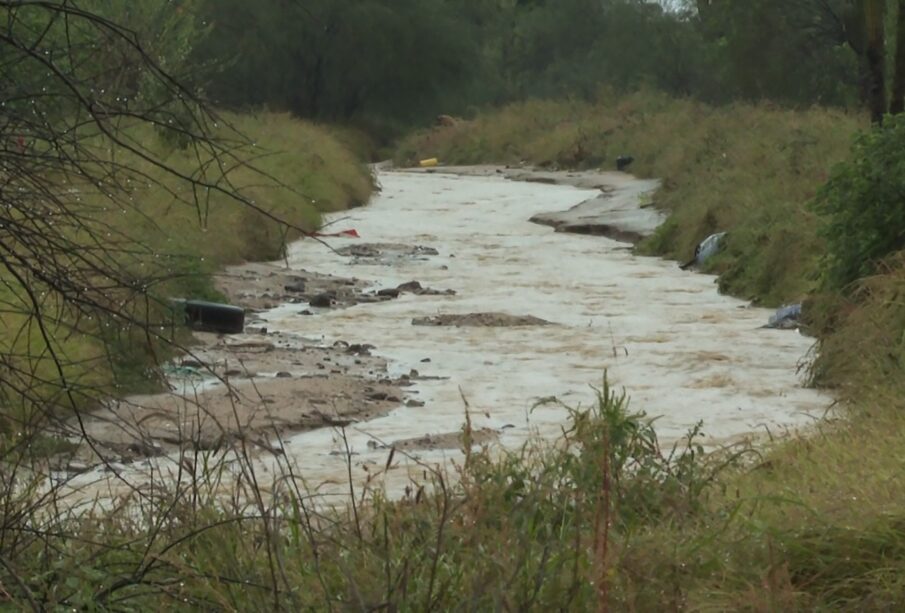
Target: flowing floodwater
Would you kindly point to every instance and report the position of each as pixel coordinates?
(683, 352)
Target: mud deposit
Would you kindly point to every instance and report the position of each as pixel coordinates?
(252, 390)
(486, 320)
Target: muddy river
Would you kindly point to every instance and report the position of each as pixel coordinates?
(683, 352)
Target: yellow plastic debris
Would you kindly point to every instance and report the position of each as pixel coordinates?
(429, 163)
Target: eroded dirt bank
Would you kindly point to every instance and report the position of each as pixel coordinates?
(336, 363)
(254, 388)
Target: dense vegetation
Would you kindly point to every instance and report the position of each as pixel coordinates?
(386, 63)
(122, 189)
(133, 133)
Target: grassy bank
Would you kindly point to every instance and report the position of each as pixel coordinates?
(818, 522)
(743, 168)
(751, 170)
(169, 236)
(607, 518)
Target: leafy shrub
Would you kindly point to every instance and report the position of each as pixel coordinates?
(864, 205)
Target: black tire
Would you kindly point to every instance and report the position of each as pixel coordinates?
(623, 162)
(214, 317)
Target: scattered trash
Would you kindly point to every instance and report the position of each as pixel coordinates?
(708, 248)
(77, 467)
(623, 162)
(212, 317)
(352, 233)
(786, 318)
(429, 163)
(173, 371)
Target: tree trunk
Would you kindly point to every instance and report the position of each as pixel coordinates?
(897, 105)
(874, 11)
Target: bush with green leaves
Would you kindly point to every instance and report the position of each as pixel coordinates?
(863, 205)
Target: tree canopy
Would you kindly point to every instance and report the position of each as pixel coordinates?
(398, 61)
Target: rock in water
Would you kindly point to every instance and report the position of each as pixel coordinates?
(323, 301)
(411, 286)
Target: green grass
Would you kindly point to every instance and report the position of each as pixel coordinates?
(604, 518)
(521, 532)
(312, 171)
(817, 522)
(291, 170)
(808, 523)
(746, 169)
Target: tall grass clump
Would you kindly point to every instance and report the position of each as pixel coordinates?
(862, 337)
(606, 518)
(563, 527)
(290, 170)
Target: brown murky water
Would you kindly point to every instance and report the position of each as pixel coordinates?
(683, 352)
